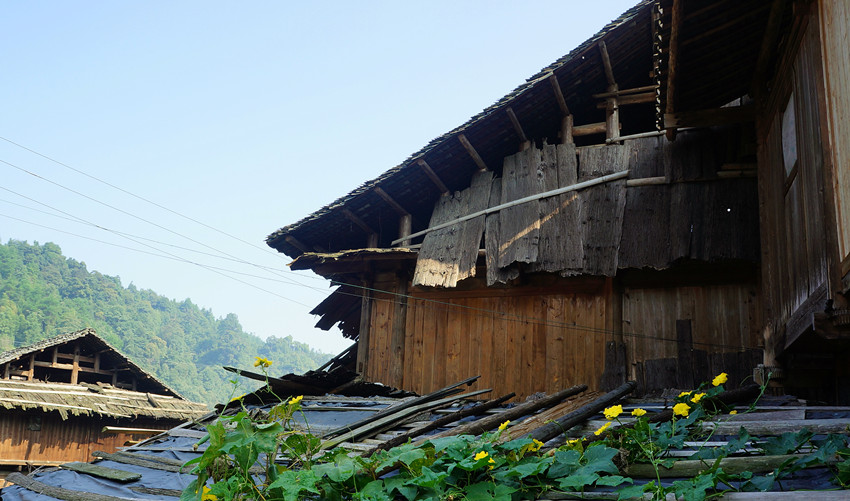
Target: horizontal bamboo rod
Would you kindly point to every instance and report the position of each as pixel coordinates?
(520, 201)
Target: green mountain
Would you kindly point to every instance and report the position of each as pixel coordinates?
(43, 293)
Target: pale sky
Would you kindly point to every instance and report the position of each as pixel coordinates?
(245, 117)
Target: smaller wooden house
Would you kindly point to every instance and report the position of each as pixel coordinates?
(65, 397)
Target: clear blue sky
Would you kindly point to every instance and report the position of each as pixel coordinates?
(244, 116)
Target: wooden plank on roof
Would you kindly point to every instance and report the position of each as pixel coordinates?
(519, 225)
(102, 471)
(448, 255)
(57, 492)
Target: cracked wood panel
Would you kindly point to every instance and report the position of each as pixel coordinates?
(560, 245)
(519, 225)
(448, 255)
(602, 208)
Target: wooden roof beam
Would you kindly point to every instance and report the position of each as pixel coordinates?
(612, 105)
(672, 64)
(405, 224)
(707, 118)
(392, 203)
(432, 176)
(373, 235)
(559, 96)
(771, 32)
(472, 152)
(524, 142)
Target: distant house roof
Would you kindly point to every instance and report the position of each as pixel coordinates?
(76, 358)
(95, 400)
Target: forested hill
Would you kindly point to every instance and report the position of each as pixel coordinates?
(43, 293)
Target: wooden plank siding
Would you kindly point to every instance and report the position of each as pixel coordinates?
(45, 436)
(795, 252)
(516, 341)
(835, 35)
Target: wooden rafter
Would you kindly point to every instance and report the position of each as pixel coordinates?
(517, 125)
(359, 222)
(766, 51)
(432, 176)
(388, 199)
(624, 92)
(706, 118)
(672, 62)
(472, 152)
(612, 102)
(559, 96)
(296, 243)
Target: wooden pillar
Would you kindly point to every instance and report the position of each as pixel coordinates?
(405, 227)
(672, 62)
(684, 355)
(75, 370)
(115, 378)
(365, 325)
(612, 107)
(31, 371)
(567, 129)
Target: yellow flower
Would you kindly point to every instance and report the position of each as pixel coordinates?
(681, 409)
(720, 379)
(638, 412)
(295, 400)
(481, 455)
(732, 413)
(697, 397)
(262, 362)
(504, 425)
(573, 441)
(535, 445)
(613, 411)
(206, 496)
(602, 428)
(490, 463)
(684, 394)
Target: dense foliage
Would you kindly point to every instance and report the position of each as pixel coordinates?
(43, 293)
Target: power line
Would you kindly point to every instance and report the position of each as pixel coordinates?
(139, 197)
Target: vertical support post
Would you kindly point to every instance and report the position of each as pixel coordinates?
(31, 371)
(612, 107)
(372, 241)
(405, 227)
(672, 62)
(365, 326)
(567, 129)
(75, 370)
(55, 355)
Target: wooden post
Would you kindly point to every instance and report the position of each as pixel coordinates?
(75, 371)
(31, 371)
(672, 62)
(365, 324)
(612, 107)
(405, 226)
(567, 129)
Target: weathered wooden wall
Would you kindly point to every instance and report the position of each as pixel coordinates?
(723, 323)
(547, 336)
(835, 45)
(45, 437)
(795, 253)
(520, 340)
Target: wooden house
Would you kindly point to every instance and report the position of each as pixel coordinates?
(661, 204)
(63, 398)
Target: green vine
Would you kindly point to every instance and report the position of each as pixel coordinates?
(263, 457)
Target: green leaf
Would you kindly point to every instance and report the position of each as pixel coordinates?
(399, 483)
(565, 462)
(482, 491)
(631, 492)
(578, 481)
(613, 480)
